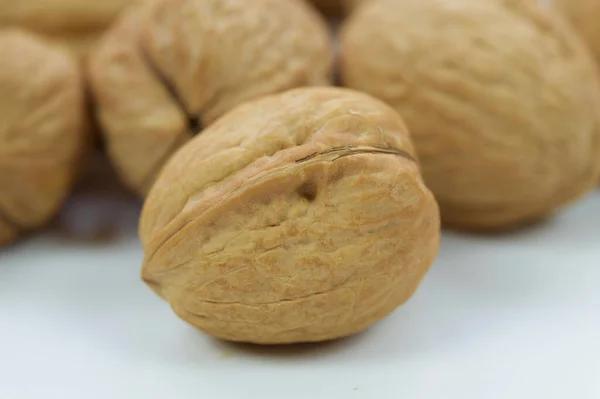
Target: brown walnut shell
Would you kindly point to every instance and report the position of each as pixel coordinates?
(501, 98)
(298, 217)
(42, 135)
(585, 17)
(76, 24)
(172, 66)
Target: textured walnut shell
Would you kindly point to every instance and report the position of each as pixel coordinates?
(75, 23)
(585, 17)
(171, 66)
(297, 217)
(42, 131)
(501, 99)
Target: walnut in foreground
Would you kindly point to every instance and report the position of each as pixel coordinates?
(42, 131)
(170, 67)
(501, 99)
(297, 217)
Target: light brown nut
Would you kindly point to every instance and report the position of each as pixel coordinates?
(501, 99)
(172, 66)
(585, 17)
(42, 131)
(74, 23)
(297, 217)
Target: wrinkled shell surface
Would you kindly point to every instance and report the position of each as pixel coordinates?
(501, 99)
(297, 217)
(41, 134)
(75, 23)
(585, 17)
(172, 65)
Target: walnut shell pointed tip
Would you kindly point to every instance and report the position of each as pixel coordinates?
(297, 217)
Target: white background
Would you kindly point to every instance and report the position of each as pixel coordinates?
(509, 316)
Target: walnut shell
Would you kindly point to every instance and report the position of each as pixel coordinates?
(297, 217)
(75, 23)
(501, 98)
(172, 66)
(42, 131)
(585, 17)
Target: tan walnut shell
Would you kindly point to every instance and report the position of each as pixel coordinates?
(42, 136)
(501, 98)
(585, 17)
(172, 66)
(297, 217)
(76, 24)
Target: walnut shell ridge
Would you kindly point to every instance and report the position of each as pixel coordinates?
(501, 98)
(170, 67)
(42, 134)
(297, 217)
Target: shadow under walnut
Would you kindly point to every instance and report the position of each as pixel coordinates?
(298, 217)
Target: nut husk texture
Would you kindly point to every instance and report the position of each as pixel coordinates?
(297, 217)
(501, 98)
(42, 135)
(76, 24)
(172, 66)
(584, 16)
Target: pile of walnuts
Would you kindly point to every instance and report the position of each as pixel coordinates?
(279, 208)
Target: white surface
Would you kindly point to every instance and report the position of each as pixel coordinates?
(514, 316)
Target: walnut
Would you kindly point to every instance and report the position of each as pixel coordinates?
(297, 217)
(501, 99)
(42, 132)
(585, 16)
(74, 23)
(169, 68)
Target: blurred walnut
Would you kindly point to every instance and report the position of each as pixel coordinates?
(173, 66)
(42, 131)
(75, 23)
(501, 99)
(297, 217)
(585, 16)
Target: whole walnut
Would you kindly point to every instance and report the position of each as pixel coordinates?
(585, 17)
(42, 132)
(297, 217)
(171, 67)
(74, 23)
(501, 98)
